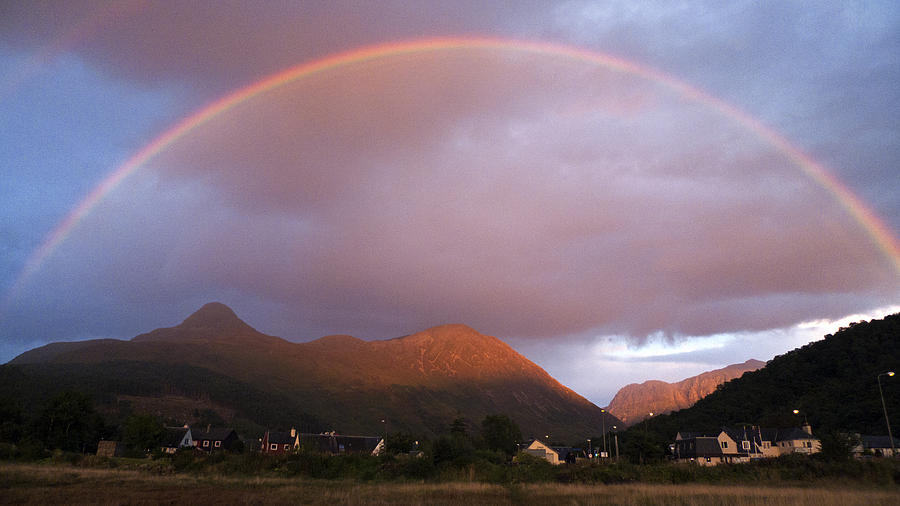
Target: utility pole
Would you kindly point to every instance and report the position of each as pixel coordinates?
(616, 436)
(884, 408)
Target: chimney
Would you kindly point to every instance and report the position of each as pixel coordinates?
(807, 428)
(293, 432)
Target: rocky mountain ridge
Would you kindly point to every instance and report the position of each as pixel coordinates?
(633, 403)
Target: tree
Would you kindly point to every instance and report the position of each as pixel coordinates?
(142, 433)
(837, 446)
(11, 420)
(69, 422)
(459, 427)
(501, 433)
(399, 442)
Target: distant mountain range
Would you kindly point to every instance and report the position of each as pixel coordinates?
(418, 383)
(634, 402)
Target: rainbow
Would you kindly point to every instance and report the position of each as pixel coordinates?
(880, 234)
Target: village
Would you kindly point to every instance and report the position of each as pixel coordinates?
(730, 445)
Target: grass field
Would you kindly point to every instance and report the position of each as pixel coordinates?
(63, 484)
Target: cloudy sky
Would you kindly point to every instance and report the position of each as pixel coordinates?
(623, 191)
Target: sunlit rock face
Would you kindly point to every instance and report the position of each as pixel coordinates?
(634, 402)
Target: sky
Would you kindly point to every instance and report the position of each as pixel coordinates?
(622, 191)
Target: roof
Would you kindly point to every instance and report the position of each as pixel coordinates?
(565, 451)
(213, 434)
(793, 433)
(281, 438)
(707, 447)
(878, 442)
(173, 436)
(333, 443)
(684, 434)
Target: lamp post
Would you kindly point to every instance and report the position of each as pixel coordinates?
(590, 448)
(603, 424)
(616, 436)
(884, 408)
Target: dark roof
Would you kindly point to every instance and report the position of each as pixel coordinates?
(793, 433)
(281, 438)
(878, 442)
(564, 451)
(173, 436)
(334, 443)
(685, 434)
(213, 434)
(707, 447)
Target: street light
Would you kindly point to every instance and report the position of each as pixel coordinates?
(590, 448)
(884, 407)
(603, 423)
(616, 436)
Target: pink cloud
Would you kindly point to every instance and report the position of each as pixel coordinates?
(460, 187)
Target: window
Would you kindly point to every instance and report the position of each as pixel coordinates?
(767, 444)
(724, 444)
(205, 444)
(708, 459)
(273, 446)
(745, 445)
(285, 447)
(218, 444)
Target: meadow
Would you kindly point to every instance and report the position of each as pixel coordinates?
(60, 483)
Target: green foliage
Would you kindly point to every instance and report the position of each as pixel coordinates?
(399, 442)
(837, 446)
(142, 433)
(68, 422)
(500, 433)
(12, 420)
(530, 469)
(641, 446)
(104, 382)
(453, 449)
(459, 427)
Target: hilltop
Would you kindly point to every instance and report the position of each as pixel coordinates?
(417, 383)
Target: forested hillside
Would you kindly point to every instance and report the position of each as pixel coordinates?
(831, 382)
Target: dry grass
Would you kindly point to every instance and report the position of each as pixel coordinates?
(46, 484)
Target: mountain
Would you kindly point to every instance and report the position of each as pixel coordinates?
(633, 402)
(833, 383)
(418, 383)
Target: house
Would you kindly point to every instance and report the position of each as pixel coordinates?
(215, 439)
(176, 438)
(741, 444)
(554, 454)
(798, 440)
(708, 450)
(278, 443)
(879, 446)
(110, 449)
(335, 444)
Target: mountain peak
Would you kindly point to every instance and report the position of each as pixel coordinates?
(213, 315)
(212, 321)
